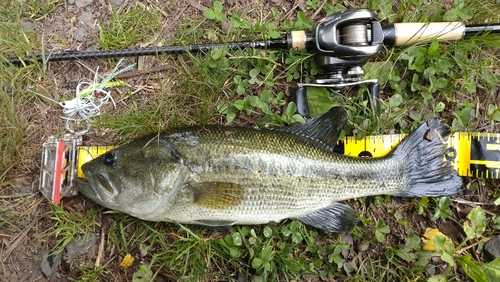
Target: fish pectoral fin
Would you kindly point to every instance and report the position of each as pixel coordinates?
(217, 195)
(334, 218)
(216, 225)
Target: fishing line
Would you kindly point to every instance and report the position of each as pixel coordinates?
(90, 96)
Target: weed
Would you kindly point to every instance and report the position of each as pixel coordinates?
(474, 229)
(215, 13)
(90, 274)
(442, 210)
(40, 9)
(127, 28)
(68, 226)
(380, 230)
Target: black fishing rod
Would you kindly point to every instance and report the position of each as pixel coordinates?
(350, 33)
(343, 43)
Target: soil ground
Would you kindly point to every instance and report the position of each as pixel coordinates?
(74, 25)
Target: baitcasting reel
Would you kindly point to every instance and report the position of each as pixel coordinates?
(344, 41)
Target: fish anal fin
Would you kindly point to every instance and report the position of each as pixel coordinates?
(217, 195)
(334, 218)
(216, 225)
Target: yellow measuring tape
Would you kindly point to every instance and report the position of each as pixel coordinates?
(473, 154)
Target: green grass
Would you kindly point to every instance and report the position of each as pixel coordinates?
(457, 81)
(127, 27)
(13, 97)
(68, 226)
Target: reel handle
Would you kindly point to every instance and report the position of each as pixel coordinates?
(301, 101)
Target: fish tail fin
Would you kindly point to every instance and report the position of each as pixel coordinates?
(427, 162)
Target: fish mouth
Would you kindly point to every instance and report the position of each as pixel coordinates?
(83, 186)
(104, 188)
(100, 188)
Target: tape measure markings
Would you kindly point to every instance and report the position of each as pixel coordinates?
(472, 154)
(88, 153)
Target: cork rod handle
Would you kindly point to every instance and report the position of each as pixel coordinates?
(410, 33)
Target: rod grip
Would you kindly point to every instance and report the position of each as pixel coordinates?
(411, 33)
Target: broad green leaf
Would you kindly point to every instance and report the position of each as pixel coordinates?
(406, 255)
(443, 210)
(254, 73)
(441, 82)
(448, 258)
(286, 232)
(424, 257)
(230, 117)
(291, 109)
(415, 84)
(209, 14)
(266, 96)
(257, 263)
(477, 224)
(396, 100)
(463, 116)
(218, 7)
(440, 107)
(144, 274)
(237, 240)
(451, 15)
(297, 118)
(412, 241)
(466, 13)
(268, 232)
(297, 237)
(433, 48)
(423, 204)
(472, 269)
(217, 53)
(378, 70)
(221, 17)
(319, 100)
(437, 278)
(495, 116)
(240, 89)
(274, 34)
(246, 25)
(239, 104)
(266, 254)
(492, 270)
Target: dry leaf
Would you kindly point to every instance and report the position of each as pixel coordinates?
(428, 238)
(127, 261)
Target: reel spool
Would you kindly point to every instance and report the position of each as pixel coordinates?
(354, 35)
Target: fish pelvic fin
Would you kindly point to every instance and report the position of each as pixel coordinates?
(424, 155)
(334, 218)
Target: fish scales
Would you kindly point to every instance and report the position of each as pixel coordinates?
(279, 181)
(220, 176)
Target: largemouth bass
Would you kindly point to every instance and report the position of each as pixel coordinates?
(218, 176)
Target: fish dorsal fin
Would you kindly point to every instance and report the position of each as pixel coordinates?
(334, 218)
(326, 127)
(217, 195)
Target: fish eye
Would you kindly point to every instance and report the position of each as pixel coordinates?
(109, 159)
